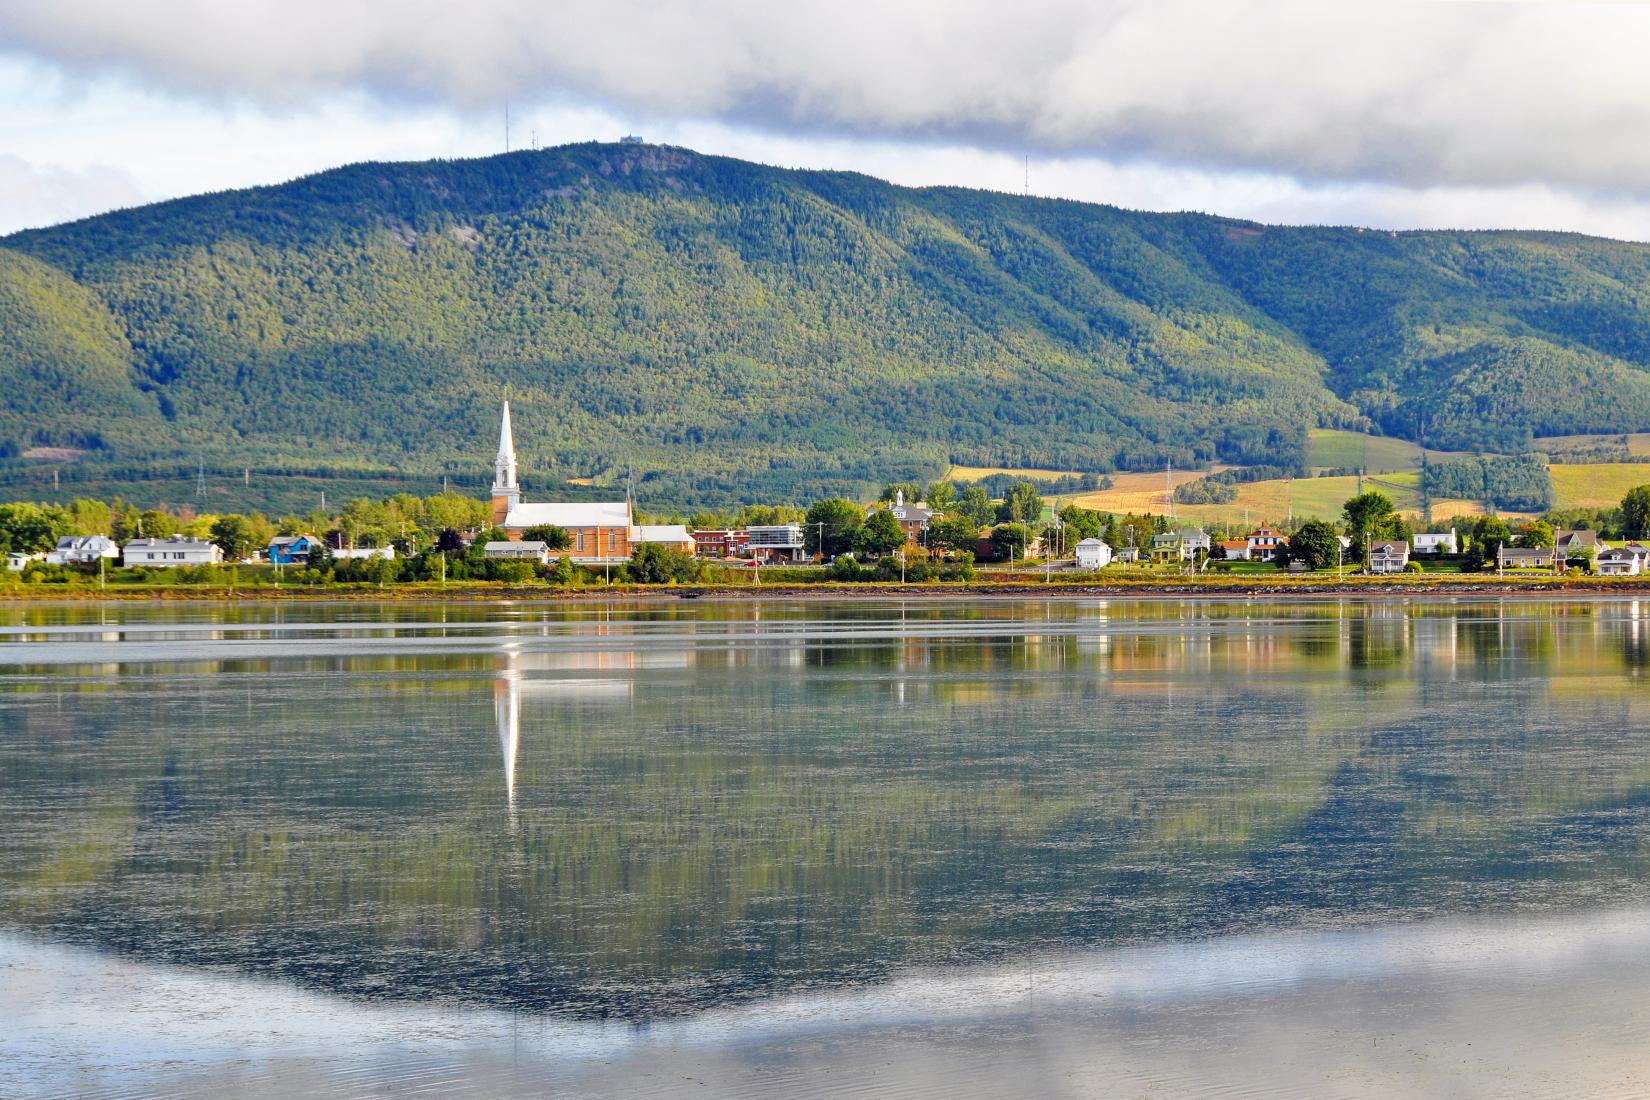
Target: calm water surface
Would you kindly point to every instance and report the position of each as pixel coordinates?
(1359, 848)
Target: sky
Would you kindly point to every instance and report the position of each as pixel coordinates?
(1396, 114)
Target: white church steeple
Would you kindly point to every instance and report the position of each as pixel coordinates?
(506, 493)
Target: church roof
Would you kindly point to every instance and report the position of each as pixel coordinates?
(614, 513)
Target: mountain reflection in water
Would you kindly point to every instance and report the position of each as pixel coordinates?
(648, 811)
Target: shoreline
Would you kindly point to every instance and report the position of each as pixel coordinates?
(1282, 588)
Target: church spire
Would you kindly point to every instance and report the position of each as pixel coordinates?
(506, 494)
(504, 466)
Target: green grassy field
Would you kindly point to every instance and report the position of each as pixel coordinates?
(1331, 448)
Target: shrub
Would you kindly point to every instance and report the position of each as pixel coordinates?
(846, 568)
(655, 563)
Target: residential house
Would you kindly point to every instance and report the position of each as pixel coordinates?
(720, 543)
(1126, 555)
(1525, 557)
(1234, 549)
(1389, 556)
(1264, 543)
(83, 550)
(1179, 546)
(1434, 543)
(775, 542)
(525, 550)
(1618, 561)
(172, 552)
(1578, 544)
(1093, 554)
(292, 549)
(913, 518)
(18, 560)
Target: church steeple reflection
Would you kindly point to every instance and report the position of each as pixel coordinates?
(564, 679)
(507, 712)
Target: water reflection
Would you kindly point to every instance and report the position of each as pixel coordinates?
(706, 803)
(1548, 1006)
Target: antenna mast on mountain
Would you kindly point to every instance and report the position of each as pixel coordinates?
(506, 126)
(1168, 483)
(200, 481)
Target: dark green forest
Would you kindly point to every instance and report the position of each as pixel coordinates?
(728, 331)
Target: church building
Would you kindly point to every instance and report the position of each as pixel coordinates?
(598, 532)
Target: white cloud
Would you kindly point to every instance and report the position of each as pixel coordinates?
(35, 195)
(1396, 116)
(1415, 93)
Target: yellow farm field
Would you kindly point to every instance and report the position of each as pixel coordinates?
(976, 473)
(1596, 484)
(1141, 493)
(1261, 501)
(1638, 443)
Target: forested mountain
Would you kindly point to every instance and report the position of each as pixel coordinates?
(732, 330)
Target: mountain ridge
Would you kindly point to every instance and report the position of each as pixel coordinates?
(738, 331)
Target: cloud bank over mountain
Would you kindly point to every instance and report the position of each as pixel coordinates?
(1385, 107)
(1418, 93)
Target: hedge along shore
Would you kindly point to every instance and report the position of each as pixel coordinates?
(1021, 585)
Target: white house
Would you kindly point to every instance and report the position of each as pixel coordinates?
(82, 550)
(172, 552)
(1263, 544)
(526, 550)
(1619, 561)
(1388, 557)
(18, 560)
(1437, 542)
(1093, 554)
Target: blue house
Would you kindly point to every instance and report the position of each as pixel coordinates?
(291, 549)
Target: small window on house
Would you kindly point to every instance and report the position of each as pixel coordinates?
(578, 541)
(612, 542)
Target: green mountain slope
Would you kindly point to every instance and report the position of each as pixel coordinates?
(729, 330)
